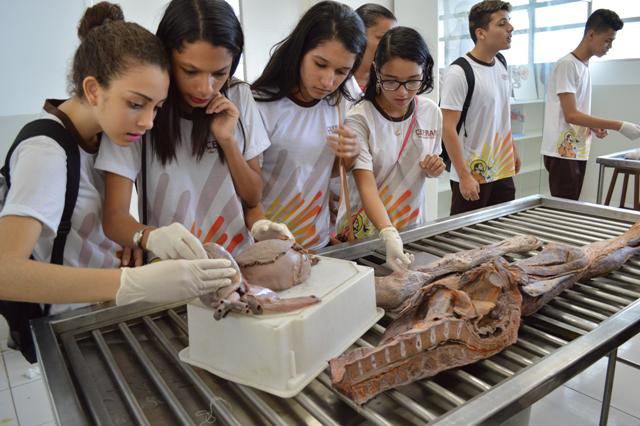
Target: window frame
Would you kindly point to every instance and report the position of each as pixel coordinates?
(531, 31)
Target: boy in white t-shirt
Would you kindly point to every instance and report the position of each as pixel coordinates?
(482, 155)
(568, 127)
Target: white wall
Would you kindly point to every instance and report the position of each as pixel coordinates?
(39, 39)
(265, 23)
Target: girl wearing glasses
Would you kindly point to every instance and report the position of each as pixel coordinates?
(200, 167)
(399, 133)
(301, 95)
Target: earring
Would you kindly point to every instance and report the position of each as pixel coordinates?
(378, 88)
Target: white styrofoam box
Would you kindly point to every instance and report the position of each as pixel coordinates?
(282, 353)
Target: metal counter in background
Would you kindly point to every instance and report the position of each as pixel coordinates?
(120, 365)
(617, 161)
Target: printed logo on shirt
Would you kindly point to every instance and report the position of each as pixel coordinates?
(332, 129)
(480, 170)
(571, 143)
(505, 77)
(494, 161)
(212, 144)
(426, 133)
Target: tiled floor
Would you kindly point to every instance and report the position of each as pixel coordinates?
(24, 400)
(23, 396)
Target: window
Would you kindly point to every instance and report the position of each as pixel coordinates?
(544, 30)
(235, 4)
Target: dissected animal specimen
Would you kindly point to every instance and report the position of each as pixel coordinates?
(244, 297)
(394, 291)
(559, 266)
(454, 321)
(460, 319)
(275, 264)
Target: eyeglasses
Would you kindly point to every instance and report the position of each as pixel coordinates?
(392, 85)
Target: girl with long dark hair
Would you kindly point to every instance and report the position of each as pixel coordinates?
(302, 99)
(119, 78)
(200, 168)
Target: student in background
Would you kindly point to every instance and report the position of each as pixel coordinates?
(377, 20)
(400, 134)
(568, 125)
(200, 167)
(483, 156)
(302, 99)
(118, 80)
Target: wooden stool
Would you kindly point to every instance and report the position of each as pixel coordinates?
(625, 183)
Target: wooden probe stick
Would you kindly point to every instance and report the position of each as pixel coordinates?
(345, 186)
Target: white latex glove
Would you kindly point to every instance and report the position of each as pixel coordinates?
(397, 259)
(173, 280)
(175, 242)
(265, 229)
(633, 155)
(630, 130)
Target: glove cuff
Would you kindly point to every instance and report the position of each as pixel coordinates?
(259, 223)
(121, 297)
(388, 232)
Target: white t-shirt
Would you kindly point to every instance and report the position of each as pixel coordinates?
(400, 180)
(38, 185)
(559, 138)
(198, 194)
(297, 167)
(487, 146)
(354, 90)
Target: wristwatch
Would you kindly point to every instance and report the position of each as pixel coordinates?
(137, 237)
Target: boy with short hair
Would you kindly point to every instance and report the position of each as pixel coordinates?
(483, 156)
(568, 125)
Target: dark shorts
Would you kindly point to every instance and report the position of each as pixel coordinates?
(491, 193)
(565, 176)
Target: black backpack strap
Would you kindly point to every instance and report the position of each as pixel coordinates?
(471, 84)
(143, 180)
(56, 131)
(502, 60)
(19, 314)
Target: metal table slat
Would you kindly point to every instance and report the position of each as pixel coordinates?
(580, 311)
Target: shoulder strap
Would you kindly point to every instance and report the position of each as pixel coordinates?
(471, 83)
(143, 180)
(56, 131)
(502, 60)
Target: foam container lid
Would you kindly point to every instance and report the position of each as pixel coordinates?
(281, 353)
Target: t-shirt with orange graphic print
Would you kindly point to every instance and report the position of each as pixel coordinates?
(198, 194)
(487, 144)
(296, 168)
(399, 178)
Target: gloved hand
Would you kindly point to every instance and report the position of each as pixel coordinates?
(175, 242)
(630, 130)
(173, 280)
(633, 155)
(265, 229)
(397, 259)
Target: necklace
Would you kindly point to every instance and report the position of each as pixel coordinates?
(400, 129)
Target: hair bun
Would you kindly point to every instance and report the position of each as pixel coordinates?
(99, 14)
